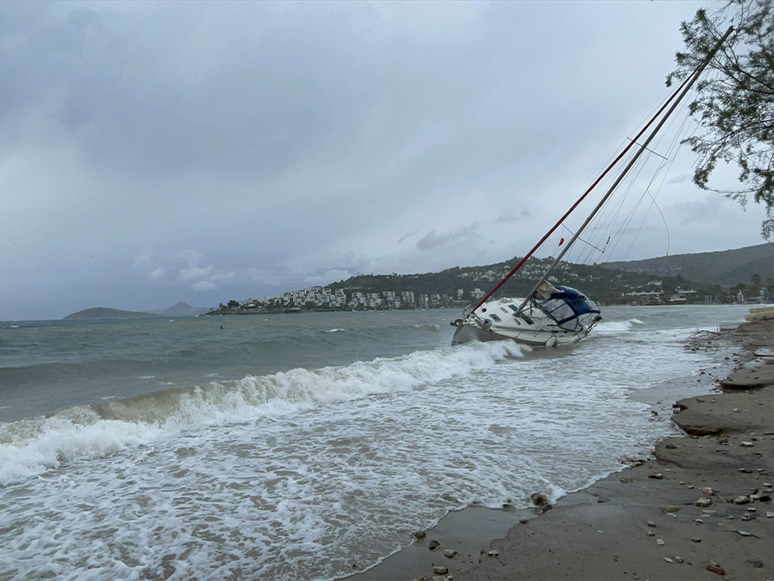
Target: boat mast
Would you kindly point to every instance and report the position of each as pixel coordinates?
(596, 182)
(579, 200)
(693, 78)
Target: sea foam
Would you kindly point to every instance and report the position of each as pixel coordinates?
(292, 475)
(32, 446)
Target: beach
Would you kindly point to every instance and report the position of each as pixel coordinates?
(698, 508)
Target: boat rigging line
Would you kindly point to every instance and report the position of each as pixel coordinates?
(693, 78)
(678, 94)
(587, 243)
(649, 150)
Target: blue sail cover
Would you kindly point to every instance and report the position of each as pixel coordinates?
(567, 306)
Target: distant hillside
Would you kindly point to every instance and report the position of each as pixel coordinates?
(105, 313)
(181, 309)
(709, 277)
(728, 267)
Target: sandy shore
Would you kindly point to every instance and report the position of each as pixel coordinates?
(699, 510)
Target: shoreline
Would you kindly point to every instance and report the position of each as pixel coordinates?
(671, 516)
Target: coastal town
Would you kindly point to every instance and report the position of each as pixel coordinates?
(457, 288)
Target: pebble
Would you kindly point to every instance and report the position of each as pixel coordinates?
(695, 540)
(449, 553)
(703, 501)
(420, 534)
(690, 486)
(433, 545)
(747, 444)
(660, 542)
(679, 559)
(493, 553)
(751, 509)
(668, 560)
(651, 523)
(657, 475)
(651, 534)
(625, 479)
(742, 499)
(715, 568)
(523, 520)
(708, 491)
(441, 570)
(769, 514)
(698, 520)
(744, 533)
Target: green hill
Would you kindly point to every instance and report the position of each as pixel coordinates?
(715, 276)
(728, 267)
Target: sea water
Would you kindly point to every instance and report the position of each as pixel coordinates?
(303, 446)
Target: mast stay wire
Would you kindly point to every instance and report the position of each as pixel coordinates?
(662, 171)
(609, 216)
(611, 212)
(680, 136)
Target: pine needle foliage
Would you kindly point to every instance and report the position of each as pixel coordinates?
(734, 106)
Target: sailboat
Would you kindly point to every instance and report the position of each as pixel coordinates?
(553, 315)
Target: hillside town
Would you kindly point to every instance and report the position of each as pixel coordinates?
(365, 292)
(325, 299)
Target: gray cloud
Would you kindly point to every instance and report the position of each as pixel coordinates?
(680, 179)
(432, 240)
(408, 235)
(156, 152)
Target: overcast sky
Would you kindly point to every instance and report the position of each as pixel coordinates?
(157, 152)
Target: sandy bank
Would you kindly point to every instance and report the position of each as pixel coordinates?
(699, 510)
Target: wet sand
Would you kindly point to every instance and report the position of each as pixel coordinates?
(699, 509)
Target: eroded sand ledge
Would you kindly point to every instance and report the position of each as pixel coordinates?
(644, 523)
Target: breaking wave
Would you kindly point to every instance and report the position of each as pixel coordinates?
(33, 446)
(615, 326)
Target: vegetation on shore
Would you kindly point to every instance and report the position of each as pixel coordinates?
(734, 107)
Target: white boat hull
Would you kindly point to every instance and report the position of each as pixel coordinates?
(564, 317)
(466, 333)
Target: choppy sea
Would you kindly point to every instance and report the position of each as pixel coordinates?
(292, 446)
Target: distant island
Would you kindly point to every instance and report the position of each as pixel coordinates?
(107, 313)
(180, 309)
(744, 275)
